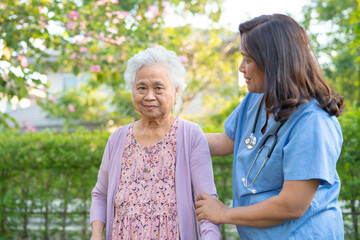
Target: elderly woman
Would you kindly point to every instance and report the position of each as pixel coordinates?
(153, 169)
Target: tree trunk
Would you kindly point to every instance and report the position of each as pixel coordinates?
(64, 220)
(65, 197)
(85, 210)
(3, 204)
(24, 192)
(25, 219)
(46, 217)
(85, 218)
(46, 213)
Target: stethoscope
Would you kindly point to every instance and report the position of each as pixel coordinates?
(250, 142)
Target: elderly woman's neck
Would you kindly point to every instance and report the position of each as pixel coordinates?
(148, 132)
(156, 123)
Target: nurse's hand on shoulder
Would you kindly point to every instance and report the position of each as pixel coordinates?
(210, 208)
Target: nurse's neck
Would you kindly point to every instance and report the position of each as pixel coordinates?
(268, 115)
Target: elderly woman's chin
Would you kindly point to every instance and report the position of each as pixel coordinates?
(154, 113)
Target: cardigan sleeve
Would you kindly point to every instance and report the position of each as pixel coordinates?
(99, 192)
(202, 178)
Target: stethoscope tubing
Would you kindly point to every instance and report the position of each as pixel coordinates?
(275, 139)
(262, 145)
(256, 117)
(250, 143)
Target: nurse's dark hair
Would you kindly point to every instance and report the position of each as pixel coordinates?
(281, 48)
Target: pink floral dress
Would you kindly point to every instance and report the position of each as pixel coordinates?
(145, 202)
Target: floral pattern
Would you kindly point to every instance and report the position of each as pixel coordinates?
(145, 202)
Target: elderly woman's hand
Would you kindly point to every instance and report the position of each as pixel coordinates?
(210, 208)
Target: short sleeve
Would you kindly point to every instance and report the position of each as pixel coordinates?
(233, 121)
(313, 148)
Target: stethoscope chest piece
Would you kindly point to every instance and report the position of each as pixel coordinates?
(250, 141)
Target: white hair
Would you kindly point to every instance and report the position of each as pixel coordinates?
(156, 55)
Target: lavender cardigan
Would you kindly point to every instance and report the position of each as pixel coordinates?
(194, 175)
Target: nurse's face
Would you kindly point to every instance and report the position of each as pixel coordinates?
(254, 77)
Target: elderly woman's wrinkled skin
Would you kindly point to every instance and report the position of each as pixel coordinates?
(154, 94)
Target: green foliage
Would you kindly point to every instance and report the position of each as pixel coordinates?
(349, 169)
(209, 60)
(20, 27)
(339, 45)
(90, 105)
(355, 26)
(349, 162)
(98, 37)
(46, 180)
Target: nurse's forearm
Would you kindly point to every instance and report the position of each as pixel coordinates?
(264, 214)
(292, 202)
(220, 144)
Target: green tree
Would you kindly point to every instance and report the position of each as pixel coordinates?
(338, 46)
(20, 28)
(98, 37)
(349, 169)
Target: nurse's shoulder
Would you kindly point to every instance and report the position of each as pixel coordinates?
(311, 117)
(248, 102)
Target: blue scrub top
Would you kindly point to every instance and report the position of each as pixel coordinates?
(308, 147)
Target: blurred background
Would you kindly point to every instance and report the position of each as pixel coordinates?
(62, 93)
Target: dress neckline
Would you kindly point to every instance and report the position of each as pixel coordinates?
(156, 144)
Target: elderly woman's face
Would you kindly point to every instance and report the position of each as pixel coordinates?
(154, 94)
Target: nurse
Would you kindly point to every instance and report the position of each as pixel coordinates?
(285, 138)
